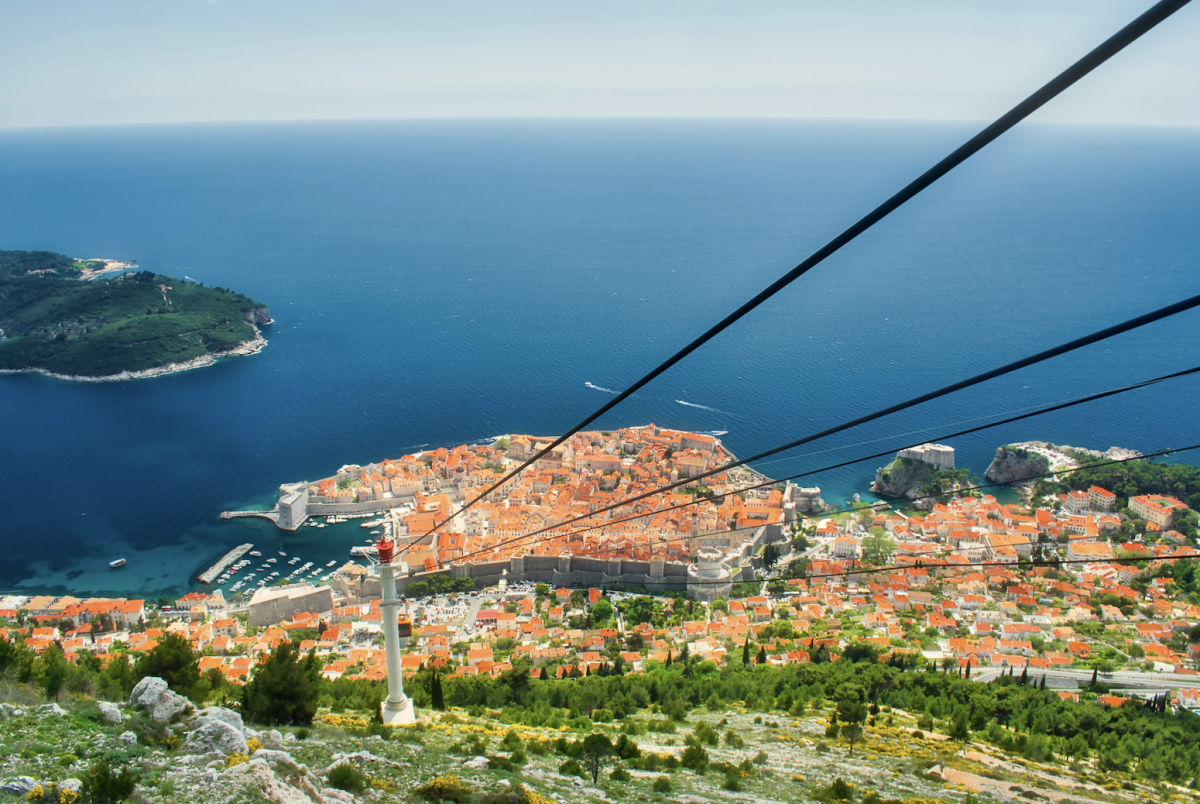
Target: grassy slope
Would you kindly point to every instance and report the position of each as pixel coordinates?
(105, 327)
(888, 762)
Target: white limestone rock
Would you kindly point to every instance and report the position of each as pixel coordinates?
(128, 737)
(274, 758)
(109, 711)
(476, 763)
(19, 785)
(72, 785)
(227, 716)
(215, 735)
(257, 775)
(160, 703)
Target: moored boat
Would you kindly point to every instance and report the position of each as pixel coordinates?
(120, 562)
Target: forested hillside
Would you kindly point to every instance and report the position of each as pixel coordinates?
(50, 320)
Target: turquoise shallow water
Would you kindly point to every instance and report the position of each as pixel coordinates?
(438, 282)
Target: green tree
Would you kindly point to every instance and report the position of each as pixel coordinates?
(877, 546)
(284, 688)
(437, 699)
(770, 555)
(54, 670)
(851, 711)
(596, 749)
(173, 660)
(602, 611)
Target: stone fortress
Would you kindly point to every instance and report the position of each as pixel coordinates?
(940, 457)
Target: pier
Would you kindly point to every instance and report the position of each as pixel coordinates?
(272, 515)
(210, 575)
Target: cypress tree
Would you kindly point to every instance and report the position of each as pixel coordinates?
(762, 655)
(435, 692)
(1024, 675)
(1094, 669)
(1043, 681)
(967, 671)
(668, 657)
(746, 651)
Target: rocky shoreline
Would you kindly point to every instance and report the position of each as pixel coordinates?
(243, 349)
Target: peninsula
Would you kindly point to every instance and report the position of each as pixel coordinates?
(81, 320)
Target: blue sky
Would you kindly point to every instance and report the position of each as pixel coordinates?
(160, 61)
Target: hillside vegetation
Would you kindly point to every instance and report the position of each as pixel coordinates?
(52, 321)
(854, 729)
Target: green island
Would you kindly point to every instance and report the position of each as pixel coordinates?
(65, 318)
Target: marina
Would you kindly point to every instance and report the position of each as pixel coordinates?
(210, 575)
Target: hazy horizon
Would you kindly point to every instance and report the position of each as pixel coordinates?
(141, 62)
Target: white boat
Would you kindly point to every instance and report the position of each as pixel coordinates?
(120, 562)
(282, 553)
(255, 553)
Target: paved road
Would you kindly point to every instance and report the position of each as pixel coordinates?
(1072, 679)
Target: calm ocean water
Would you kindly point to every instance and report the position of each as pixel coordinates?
(441, 282)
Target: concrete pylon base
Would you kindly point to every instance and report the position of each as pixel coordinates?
(402, 715)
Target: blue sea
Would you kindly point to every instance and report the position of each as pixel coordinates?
(434, 283)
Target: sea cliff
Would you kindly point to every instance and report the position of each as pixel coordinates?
(1012, 464)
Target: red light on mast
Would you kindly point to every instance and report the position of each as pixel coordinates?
(386, 550)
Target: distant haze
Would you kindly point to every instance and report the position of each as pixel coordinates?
(148, 61)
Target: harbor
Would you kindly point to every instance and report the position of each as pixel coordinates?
(210, 575)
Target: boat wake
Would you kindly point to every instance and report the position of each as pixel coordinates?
(600, 388)
(706, 407)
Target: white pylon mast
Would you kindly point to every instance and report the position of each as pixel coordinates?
(398, 708)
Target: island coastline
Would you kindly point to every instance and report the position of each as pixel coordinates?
(243, 349)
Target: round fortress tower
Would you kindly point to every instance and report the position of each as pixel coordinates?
(708, 578)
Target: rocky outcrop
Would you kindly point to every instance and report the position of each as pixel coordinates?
(159, 702)
(1014, 464)
(216, 735)
(257, 776)
(903, 477)
(227, 716)
(259, 317)
(109, 711)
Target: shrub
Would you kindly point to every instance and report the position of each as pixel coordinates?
(520, 794)
(838, 790)
(694, 757)
(571, 768)
(51, 794)
(705, 734)
(733, 779)
(626, 748)
(733, 740)
(235, 759)
(662, 785)
(302, 734)
(445, 788)
(349, 778)
(253, 744)
(619, 774)
(102, 786)
(925, 723)
(760, 758)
